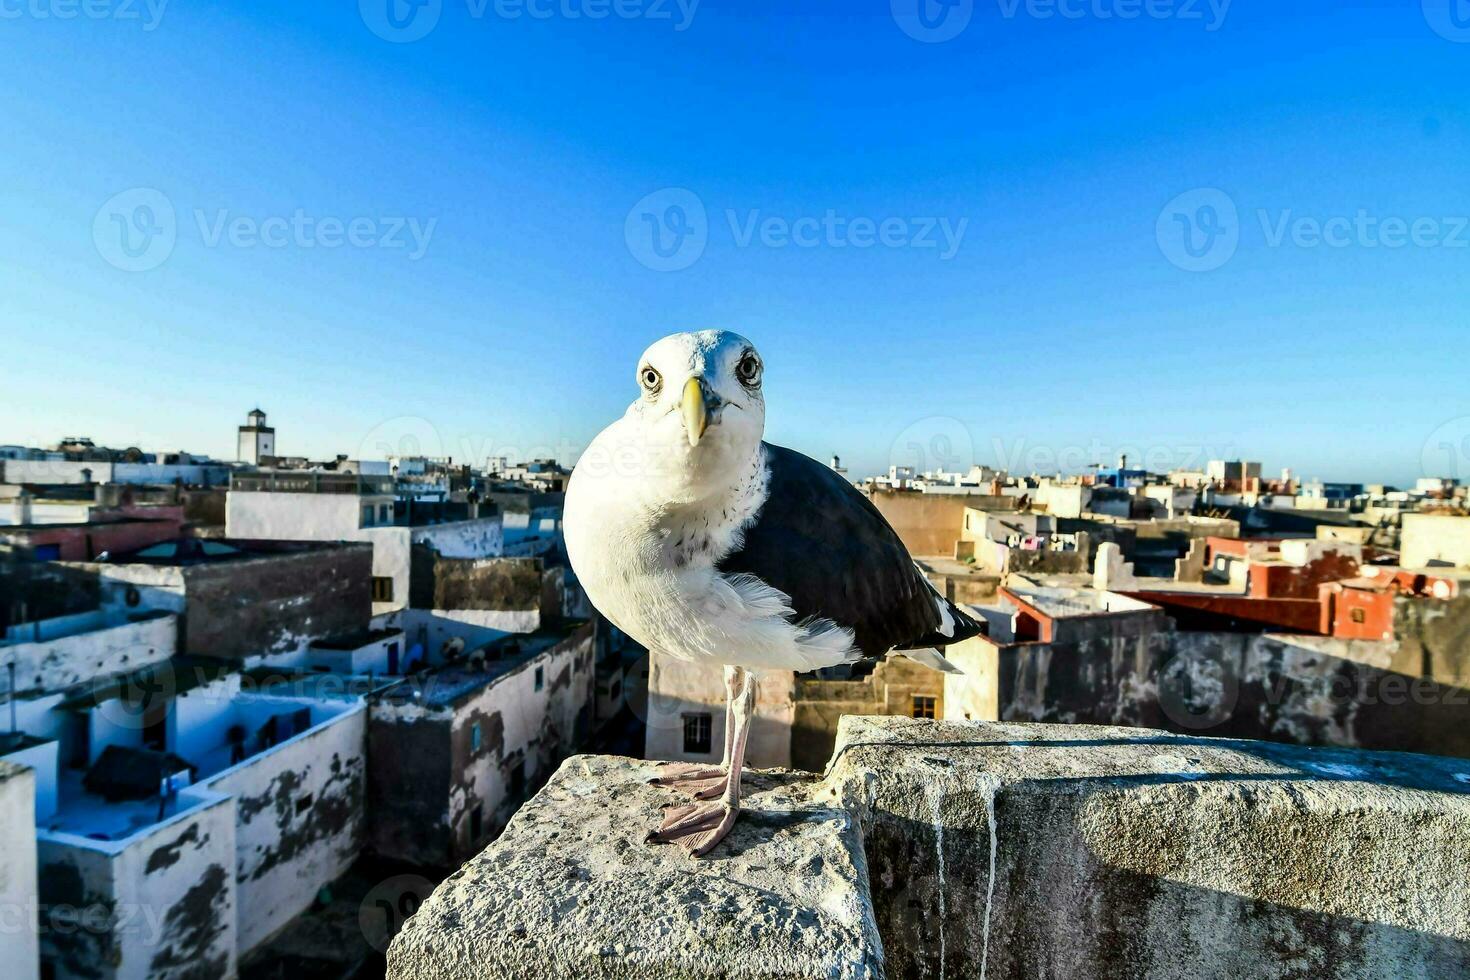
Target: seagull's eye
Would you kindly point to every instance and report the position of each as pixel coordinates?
(649, 378)
(749, 370)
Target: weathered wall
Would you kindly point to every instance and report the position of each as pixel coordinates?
(1024, 851)
(490, 584)
(1435, 539)
(521, 728)
(277, 603)
(1305, 690)
(889, 690)
(408, 783)
(478, 538)
(20, 946)
(160, 906)
(430, 773)
(299, 811)
(45, 590)
(676, 688)
(57, 664)
(930, 523)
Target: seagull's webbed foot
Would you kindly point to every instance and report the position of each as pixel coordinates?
(696, 827)
(700, 782)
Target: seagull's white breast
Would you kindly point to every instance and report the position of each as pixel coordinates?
(647, 560)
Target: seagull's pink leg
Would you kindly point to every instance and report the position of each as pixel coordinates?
(697, 780)
(698, 827)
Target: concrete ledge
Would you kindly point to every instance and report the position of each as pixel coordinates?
(571, 890)
(1023, 850)
(982, 850)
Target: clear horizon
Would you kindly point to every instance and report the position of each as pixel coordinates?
(1020, 231)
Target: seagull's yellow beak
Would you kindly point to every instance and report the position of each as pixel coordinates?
(696, 416)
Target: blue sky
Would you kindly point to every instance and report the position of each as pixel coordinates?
(1063, 319)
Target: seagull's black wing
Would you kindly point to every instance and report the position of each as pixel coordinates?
(823, 543)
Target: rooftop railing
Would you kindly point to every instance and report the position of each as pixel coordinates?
(311, 481)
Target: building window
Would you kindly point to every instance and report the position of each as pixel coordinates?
(383, 514)
(924, 706)
(382, 588)
(1359, 615)
(367, 516)
(475, 738)
(698, 730)
(540, 678)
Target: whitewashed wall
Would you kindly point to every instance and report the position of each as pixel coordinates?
(52, 665)
(20, 945)
(159, 905)
(299, 822)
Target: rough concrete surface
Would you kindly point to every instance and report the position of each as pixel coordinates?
(1024, 850)
(572, 890)
(995, 851)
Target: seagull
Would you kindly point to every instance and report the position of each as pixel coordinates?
(702, 541)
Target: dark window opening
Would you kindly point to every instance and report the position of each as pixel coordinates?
(698, 734)
(382, 588)
(924, 707)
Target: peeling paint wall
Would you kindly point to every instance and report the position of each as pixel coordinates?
(300, 821)
(159, 906)
(1298, 689)
(59, 663)
(275, 604)
(528, 721)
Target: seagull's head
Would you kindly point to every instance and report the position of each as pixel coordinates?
(700, 399)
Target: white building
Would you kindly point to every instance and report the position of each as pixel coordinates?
(20, 946)
(318, 506)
